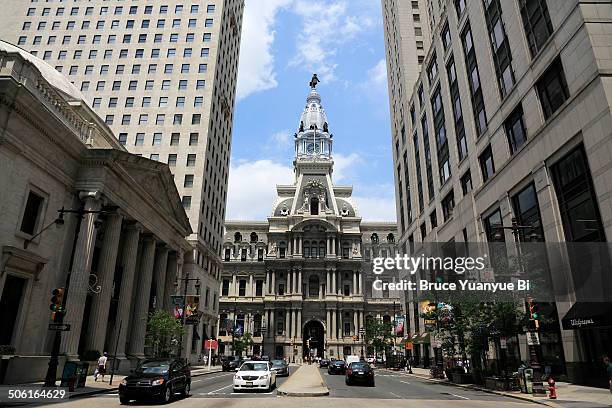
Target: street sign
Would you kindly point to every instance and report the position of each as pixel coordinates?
(59, 326)
(211, 344)
(533, 339)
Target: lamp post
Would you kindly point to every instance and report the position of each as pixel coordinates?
(185, 282)
(59, 317)
(535, 349)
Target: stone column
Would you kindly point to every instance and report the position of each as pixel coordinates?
(293, 323)
(299, 324)
(273, 288)
(129, 258)
(141, 298)
(288, 283)
(159, 272)
(355, 322)
(98, 317)
(287, 323)
(361, 292)
(334, 326)
(234, 291)
(299, 281)
(171, 274)
(339, 284)
(354, 288)
(79, 275)
(252, 289)
(340, 324)
(361, 319)
(328, 282)
(328, 324)
(321, 291)
(271, 327)
(267, 283)
(333, 282)
(300, 242)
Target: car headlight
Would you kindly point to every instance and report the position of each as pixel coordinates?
(264, 377)
(236, 377)
(159, 381)
(124, 382)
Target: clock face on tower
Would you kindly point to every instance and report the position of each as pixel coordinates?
(312, 148)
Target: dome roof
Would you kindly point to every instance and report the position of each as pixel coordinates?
(313, 114)
(53, 77)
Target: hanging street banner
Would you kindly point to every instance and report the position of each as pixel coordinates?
(399, 326)
(192, 314)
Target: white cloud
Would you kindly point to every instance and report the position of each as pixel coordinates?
(252, 188)
(256, 67)
(376, 208)
(326, 26)
(343, 163)
(281, 139)
(378, 74)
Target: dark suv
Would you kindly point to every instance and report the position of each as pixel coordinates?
(156, 379)
(336, 367)
(231, 363)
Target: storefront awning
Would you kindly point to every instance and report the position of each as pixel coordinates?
(586, 315)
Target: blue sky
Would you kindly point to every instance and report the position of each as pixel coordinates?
(283, 43)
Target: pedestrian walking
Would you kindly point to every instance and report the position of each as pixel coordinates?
(102, 366)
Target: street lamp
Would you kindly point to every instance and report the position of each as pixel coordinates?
(186, 281)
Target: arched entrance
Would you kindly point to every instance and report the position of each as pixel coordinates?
(314, 343)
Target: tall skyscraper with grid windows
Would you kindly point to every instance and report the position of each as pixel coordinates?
(163, 75)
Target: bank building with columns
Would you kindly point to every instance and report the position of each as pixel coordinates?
(301, 282)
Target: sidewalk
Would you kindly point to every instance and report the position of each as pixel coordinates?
(99, 387)
(566, 392)
(305, 382)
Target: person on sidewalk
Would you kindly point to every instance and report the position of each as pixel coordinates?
(102, 366)
(608, 364)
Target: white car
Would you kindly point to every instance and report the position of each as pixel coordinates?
(371, 359)
(255, 375)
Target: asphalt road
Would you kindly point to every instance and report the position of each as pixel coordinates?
(393, 389)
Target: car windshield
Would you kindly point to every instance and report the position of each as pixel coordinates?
(278, 363)
(254, 367)
(154, 367)
(358, 366)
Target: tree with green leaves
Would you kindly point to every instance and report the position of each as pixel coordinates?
(242, 343)
(379, 335)
(164, 333)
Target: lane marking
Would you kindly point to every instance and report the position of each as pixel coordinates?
(405, 382)
(210, 378)
(398, 396)
(222, 388)
(459, 396)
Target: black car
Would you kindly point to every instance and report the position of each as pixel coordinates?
(231, 363)
(280, 367)
(156, 379)
(360, 372)
(324, 362)
(336, 367)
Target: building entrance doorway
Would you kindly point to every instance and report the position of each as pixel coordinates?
(314, 339)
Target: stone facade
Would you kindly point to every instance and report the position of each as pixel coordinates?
(304, 274)
(56, 153)
(162, 75)
(507, 98)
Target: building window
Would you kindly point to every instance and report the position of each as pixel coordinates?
(552, 88)
(433, 219)
(191, 160)
(139, 139)
(480, 116)
(417, 163)
(188, 182)
(515, 129)
(259, 288)
(459, 7)
(457, 110)
(423, 229)
(536, 22)
(487, 167)
(31, 213)
(576, 197)
(172, 160)
(193, 139)
(441, 140)
(174, 139)
(466, 183)
(123, 138)
(446, 37)
(448, 203)
(427, 151)
(154, 157)
(492, 225)
(502, 57)
(527, 213)
(432, 69)
(187, 202)
(157, 139)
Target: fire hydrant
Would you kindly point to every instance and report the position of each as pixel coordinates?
(552, 389)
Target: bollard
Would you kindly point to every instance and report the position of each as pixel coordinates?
(552, 389)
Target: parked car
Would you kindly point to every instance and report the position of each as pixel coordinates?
(371, 359)
(254, 375)
(231, 363)
(156, 379)
(265, 358)
(336, 367)
(280, 367)
(324, 362)
(359, 372)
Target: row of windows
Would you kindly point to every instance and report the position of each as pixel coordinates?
(112, 39)
(136, 70)
(157, 139)
(183, 85)
(124, 53)
(130, 102)
(118, 10)
(101, 24)
(177, 119)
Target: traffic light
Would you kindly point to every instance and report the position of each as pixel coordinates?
(56, 302)
(534, 315)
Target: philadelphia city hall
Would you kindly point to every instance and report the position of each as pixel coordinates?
(301, 282)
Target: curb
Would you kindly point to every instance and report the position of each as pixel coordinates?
(323, 390)
(477, 388)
